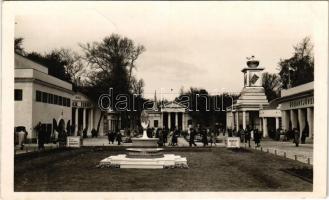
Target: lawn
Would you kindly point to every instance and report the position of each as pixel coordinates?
(210, 169)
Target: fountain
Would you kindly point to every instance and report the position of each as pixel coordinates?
(145, 141)
(144, 157)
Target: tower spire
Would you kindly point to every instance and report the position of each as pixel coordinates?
(155, 103)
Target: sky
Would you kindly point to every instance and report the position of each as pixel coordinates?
(188, 44)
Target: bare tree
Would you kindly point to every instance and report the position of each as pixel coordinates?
(74, 65)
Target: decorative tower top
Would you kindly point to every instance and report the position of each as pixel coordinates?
(252, 62)
(252, 73)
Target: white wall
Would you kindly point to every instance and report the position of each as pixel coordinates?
(23, 109)
(45, 112)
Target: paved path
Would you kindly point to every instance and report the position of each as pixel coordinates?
(303, 153)
(33, 147)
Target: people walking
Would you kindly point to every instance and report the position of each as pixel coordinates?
(22, 133)
(170, 137)
(257, 137)
(41, 136)
(175, 136)
(160, 135)
(212, 137)
(109, 136)
(119, 138)
(305, 134)
(204, 137)
(247, 136)
(296, 136)
(192, 137)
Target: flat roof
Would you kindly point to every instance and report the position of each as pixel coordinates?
(298, 89)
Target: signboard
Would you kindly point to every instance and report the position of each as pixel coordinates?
(233, 142)
(73, 141)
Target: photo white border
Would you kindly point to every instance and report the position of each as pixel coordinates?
(11, 9)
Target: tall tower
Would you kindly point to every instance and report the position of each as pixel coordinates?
(253, 93)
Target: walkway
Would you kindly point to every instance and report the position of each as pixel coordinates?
(303, 153)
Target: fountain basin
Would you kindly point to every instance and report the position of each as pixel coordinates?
(145, 142)
(144, 153)
(122, 161)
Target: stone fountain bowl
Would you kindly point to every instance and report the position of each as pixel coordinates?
(145, 142)
(145, 152)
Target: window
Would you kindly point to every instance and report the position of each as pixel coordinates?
(55, 99)
(38, 96)
(64, 101)
(44, 97)
(156, 123)
(60, 100)
(18, 95)
(68, 103)
(50, 98)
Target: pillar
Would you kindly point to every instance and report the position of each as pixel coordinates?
(301, 120)
(169, 120)
(237, 120)
(183, 122)
(76, 121)
(84, 113)
(91, 118)
(244, 126)
(261, 124)
(293, 118)
(285, 119)
(310, 121)
(90, 122)
(277, 123)
(265, 132)
(176, 120)
(161, 120)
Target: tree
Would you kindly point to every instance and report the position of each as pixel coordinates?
(206, 109)
(272, 85)
(18, 45)
(74, 66)
(54, 63)
(112, 60)
(299, 69)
